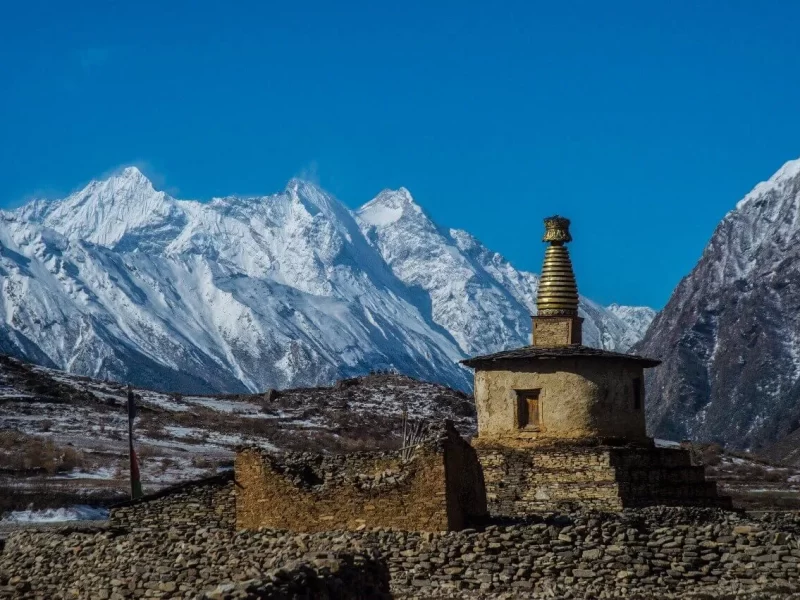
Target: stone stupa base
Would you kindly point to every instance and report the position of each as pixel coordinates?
(527, 478)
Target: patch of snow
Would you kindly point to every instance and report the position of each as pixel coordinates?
(183, 432)
(100, 473)
(80, 512)
(666, 444)
(221, 405)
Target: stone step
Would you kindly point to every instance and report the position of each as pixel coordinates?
(570, 491)
(705, 489)
(544, 476)
(671, 475)
(651, 459)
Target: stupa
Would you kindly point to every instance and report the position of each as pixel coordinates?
(560, 423)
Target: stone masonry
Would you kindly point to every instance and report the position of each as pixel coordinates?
(639, 553)
(209, 502)
(522, 481)
(438, 487)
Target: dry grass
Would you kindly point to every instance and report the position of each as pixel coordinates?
(20, 452)
(201, 462)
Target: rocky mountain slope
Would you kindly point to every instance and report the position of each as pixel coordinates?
(63, 438)
(121, 281)
(730, 334)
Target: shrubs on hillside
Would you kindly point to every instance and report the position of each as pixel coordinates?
(21, 452)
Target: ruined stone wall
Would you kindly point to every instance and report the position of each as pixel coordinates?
(340, 492)
(643, 553)
(199, 504)
(524, 480)
(438, 488)
(466, 490)
(578, 398)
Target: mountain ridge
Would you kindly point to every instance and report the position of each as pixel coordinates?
(121, 281)
(730, 334)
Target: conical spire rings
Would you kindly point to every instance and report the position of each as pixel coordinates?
(558, 292)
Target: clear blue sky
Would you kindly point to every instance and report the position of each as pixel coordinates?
(644, 122)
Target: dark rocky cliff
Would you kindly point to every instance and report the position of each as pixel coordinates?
(730, 334)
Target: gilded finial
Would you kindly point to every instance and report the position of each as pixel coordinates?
(556, 229)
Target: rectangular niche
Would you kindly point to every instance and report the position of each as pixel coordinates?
(637, 394)
(529, 410)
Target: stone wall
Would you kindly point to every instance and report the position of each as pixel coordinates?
(578, 398)
(466, 490)
(438, 488)
(525, 480)
(202, 503)
(639, 553)
(321, 576)
(548, 332)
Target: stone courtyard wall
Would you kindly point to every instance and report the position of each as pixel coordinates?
(640, 553)
(438, 488)
(202, 503)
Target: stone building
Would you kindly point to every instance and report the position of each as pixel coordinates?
(562, 423)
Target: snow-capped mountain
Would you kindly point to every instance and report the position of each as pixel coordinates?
(475, 294)
(730, 334)
(637, 318)
(124, 282)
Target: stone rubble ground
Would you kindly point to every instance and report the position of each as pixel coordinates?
(647, 553)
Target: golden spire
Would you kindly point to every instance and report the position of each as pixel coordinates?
(558, 292)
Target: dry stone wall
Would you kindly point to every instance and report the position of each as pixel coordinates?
(640, 553)
(203, 503)
(320, 576)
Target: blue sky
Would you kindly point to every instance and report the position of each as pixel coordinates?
(644, 122)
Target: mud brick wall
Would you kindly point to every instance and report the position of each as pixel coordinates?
(524, 480)
(439, 488)
(199, 504)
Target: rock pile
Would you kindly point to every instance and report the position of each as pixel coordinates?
(648, 553)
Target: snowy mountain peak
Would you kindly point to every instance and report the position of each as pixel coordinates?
(638, 318)
(314, 198)
(134, 175)
(730, 334)
(106, 210)
(389, 207)
(123, 185)
(788, 172)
